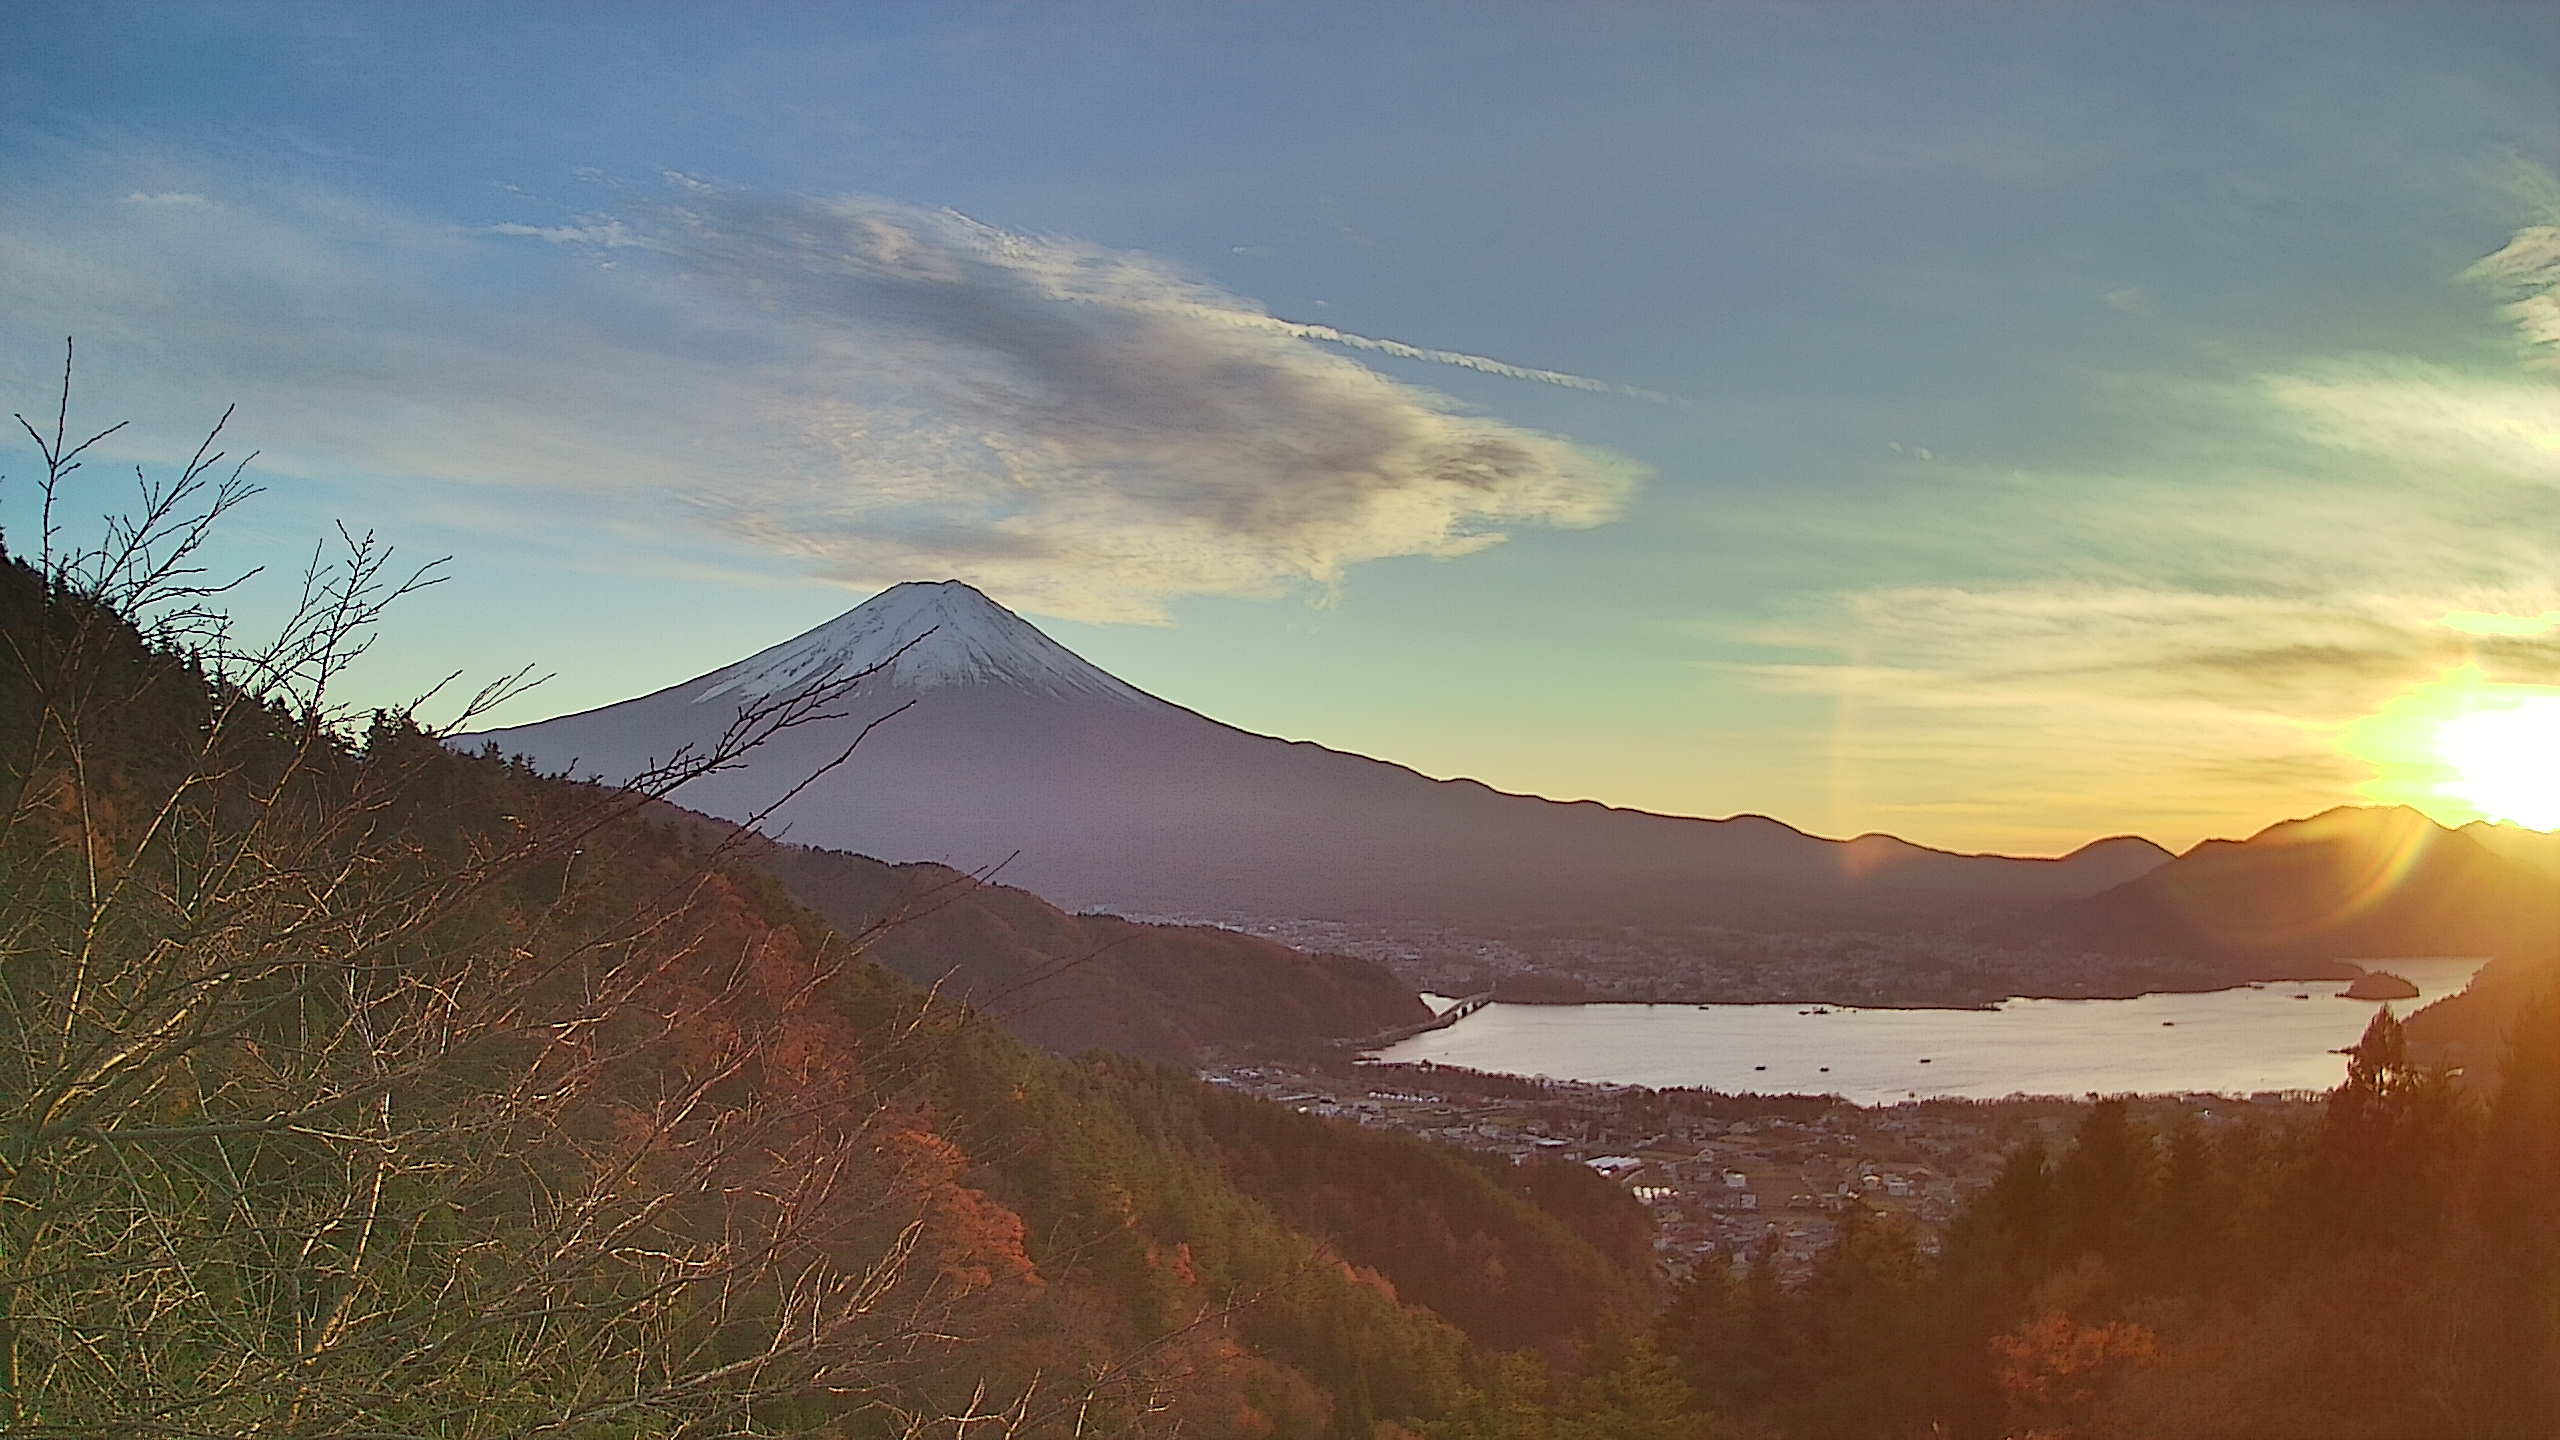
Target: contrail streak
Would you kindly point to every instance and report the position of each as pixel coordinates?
(1482, 364)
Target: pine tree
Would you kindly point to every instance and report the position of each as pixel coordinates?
(1640, 1397)
(2390, 1137)
(2186, 1231)
(1702, 1329)
(2103, 1184)
(2519, 1216)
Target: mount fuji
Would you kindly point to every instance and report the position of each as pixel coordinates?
(1009, 748)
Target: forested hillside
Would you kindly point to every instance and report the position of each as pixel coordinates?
(349, 1083)
(2392, 1273)
(2469, 1029)
(1074, 983)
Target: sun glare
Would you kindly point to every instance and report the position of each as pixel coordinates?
(2505, 759)
(2463, 748)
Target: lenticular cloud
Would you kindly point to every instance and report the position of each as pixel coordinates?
(851, 387)
(1089, 429)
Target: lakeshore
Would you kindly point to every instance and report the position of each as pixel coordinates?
(2271, 1036)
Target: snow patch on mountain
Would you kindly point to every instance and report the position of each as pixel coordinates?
(951, 635)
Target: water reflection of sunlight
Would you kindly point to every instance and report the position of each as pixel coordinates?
(2463, 748)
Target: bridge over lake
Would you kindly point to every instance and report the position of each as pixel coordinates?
(1459, 1011)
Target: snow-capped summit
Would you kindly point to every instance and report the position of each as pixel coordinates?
(950, 634)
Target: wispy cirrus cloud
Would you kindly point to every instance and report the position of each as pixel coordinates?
(2302, 661)
(608, 233)
(2056, 698)
(2451, 423)
(864, 389)
(2309, 546)
(2527, 267)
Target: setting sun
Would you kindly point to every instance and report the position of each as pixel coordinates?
(2464, 748)
(2504, 761)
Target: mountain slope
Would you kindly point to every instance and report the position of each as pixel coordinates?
(1107, 797)
(2537, 849)
(639, 1146)
(2470, 1028)
(2299, 897)
(1072, 983)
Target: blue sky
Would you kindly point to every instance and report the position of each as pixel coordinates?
(1997, 425)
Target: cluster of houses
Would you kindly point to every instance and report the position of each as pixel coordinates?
(1721, 1174)
(1736, 1192)
(1715, 1185)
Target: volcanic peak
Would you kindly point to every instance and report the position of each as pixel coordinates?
(927, 635)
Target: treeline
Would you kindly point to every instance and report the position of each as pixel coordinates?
(2391, 1271)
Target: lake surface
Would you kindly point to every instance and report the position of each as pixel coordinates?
(2233, 1042)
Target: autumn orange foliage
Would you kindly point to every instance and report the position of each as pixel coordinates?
(2053, 1369)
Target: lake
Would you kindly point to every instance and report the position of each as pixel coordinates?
(2233, 1042)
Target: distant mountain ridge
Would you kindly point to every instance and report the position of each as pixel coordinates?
(2300, 896)
(2538, 849)
(1095, 794)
